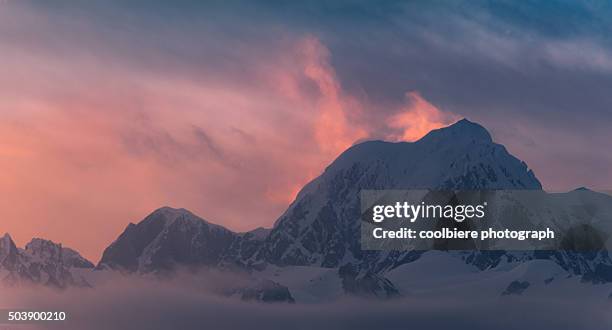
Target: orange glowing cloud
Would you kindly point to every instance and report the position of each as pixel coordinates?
(332, 129)
(307, 79)
(309, 82)
(418, 118)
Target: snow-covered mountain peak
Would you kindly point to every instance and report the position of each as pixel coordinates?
(168, 216)
(171, 212)
(462, 156)
(44, 249)
(320, 226)
(461, 131)
(47, 250)
(166, 238)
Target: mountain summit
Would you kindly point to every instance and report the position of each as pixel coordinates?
(463, 130)
(462, 155)
(320, 226)
(167, 238)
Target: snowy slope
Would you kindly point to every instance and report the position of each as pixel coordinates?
(437, 274)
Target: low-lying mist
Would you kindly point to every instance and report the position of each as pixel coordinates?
(192, 302)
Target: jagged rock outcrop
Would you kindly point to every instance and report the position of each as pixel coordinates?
(366, 284)
(266, 291)
(41, 262)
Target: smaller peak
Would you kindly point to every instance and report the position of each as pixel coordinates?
(45, 249)
(167, 216)
(40, 243)
(582, 189)
(169, 209)
(37, 240)
(171, 213)
(7, 244)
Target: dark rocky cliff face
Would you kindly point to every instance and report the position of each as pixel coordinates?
(166, 239)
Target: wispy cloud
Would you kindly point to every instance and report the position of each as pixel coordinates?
(418, 118)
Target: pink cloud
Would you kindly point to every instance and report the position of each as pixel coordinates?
(418, 118)
(333, 131)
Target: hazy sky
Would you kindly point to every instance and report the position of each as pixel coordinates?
(110, 109)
